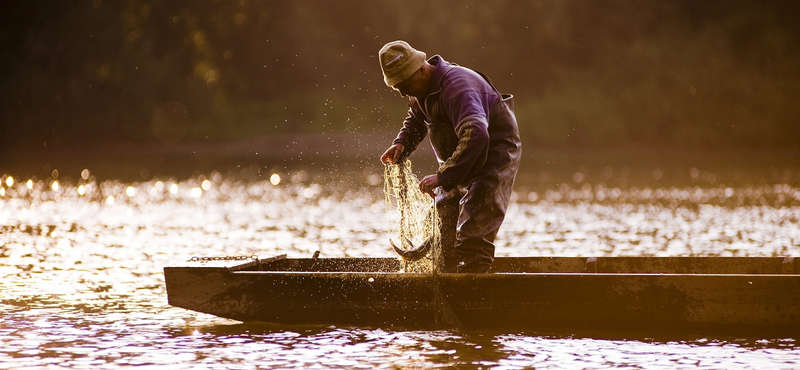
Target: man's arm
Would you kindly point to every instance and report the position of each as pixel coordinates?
(469, 112)
(413, 132)
(393, 154)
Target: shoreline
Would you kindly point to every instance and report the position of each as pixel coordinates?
(348, 153)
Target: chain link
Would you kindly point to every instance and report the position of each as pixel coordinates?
(224, 258)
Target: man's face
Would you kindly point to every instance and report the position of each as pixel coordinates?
(416, 85)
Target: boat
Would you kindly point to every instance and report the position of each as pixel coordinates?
(650, 295)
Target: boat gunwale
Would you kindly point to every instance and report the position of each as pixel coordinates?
(492, 274)
(531, 265)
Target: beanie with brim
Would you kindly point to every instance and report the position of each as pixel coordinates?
(399, 61)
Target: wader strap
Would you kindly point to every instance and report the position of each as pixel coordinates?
(490, 82)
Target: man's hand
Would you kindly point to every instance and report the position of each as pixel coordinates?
(428, 184)
(392, 155)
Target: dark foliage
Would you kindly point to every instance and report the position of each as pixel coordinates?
(585, 73)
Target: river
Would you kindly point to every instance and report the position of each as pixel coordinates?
(81, 265)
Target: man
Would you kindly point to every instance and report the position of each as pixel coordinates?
(474, 134)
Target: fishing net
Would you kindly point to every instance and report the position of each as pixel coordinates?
(413, 217)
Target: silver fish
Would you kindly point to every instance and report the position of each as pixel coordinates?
(413, 253)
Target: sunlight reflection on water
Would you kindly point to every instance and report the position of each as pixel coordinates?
(83, 286)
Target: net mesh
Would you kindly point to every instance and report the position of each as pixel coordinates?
(412, 216)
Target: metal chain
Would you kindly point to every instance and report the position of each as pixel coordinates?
(224, 258)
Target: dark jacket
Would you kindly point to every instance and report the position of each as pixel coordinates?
(473, 129)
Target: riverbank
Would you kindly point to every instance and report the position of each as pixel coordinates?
(341, 154)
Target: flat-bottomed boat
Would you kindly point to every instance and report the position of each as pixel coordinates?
(703, 295)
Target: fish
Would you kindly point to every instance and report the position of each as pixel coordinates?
(414, 253)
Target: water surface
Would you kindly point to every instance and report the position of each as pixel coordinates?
(81, 268)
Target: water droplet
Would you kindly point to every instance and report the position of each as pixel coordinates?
(275, 179)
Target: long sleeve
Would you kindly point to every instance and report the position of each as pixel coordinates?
(469, 112)
(413, 132)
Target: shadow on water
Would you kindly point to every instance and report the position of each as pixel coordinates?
(435, 347)
(486, 348)
(487, 339)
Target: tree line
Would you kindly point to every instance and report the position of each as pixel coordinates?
(585, 73)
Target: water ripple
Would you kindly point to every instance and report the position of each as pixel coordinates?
(81, 270)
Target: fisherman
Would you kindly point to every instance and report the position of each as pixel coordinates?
(474, 134)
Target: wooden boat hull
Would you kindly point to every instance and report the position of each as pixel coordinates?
(758, 296)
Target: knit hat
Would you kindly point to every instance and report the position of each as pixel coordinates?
(399, 61)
